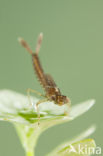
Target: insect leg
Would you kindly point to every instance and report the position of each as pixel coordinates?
(39, 102)
(33, 91)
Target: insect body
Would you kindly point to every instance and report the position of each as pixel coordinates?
(52, 92)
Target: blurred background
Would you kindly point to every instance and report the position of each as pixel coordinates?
(72, 52)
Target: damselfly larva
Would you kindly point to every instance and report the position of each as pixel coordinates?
(52, 92)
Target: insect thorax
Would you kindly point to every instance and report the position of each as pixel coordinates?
(54, 94)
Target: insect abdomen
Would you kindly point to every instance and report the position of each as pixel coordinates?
(38, 69)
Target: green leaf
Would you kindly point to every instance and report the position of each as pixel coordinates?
(28, 136)
(78, 138)
(81, 108)
(81, 148)
(84, 134)
(14, 107)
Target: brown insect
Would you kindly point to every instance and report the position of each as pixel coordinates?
(52, 92)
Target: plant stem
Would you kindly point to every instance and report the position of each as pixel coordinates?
(29, 153)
